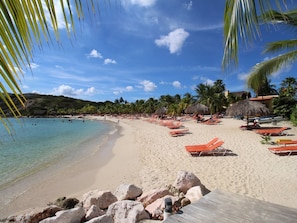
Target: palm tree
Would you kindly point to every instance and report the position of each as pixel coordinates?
(23, 25)
(241, 18)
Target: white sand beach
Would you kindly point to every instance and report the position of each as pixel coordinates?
(146, 155)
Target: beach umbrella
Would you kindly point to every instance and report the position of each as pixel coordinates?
(197, 108)
(248, 108)
(161, 111)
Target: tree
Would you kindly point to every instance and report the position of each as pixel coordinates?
(23, 25)
(212, 96)
(242, 18)
(285, 104)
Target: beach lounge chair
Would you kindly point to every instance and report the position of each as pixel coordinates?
(211, 142)
(214, 149)
(272, 131)
(284, 150)
(286, 142)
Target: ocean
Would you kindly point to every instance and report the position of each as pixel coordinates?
(38, 144)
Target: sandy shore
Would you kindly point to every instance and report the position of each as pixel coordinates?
(147, 156)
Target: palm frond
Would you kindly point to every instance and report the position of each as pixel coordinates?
(281, 45)
(23, 25)
(241, 20)
(262, 70)
(276, 17)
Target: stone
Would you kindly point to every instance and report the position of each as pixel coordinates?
(127, 211)
(151, 196)
(93, 212)
(127, 192)
(35, 215)
(102, 199)
(66, 203)
(102, 219)
(156, 208)
(185, 180)
(194, 193)
(74, 215)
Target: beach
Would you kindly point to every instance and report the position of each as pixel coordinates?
(143, 153)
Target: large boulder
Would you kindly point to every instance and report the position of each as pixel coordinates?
(149, 197)
(74, 215)
(101, 219)
(185, 180)
(127, 211)
(102, 199)
(35, 215)
(156, 208)
(127, 192)
(194, 193)
(93, 212)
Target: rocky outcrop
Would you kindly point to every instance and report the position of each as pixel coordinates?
(127, 205)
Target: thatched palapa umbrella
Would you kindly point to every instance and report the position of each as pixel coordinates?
(161, 111)
(197, 108)
(248, 108)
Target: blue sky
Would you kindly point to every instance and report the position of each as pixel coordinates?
(137, 49)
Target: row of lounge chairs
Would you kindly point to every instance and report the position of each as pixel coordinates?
(288, 147)
(215, 147)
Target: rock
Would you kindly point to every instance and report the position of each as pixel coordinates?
(101, 219)
(93, 212)
(184, 202)
(35, 215)
(102, 199)
(194, 193)
(153, 195)
(185, 180)
(128, 192)
(156, 208)
(66, 203)
(74, 215)
(127, 211)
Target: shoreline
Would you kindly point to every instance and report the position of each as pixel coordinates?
(62, 179)
(146, 155)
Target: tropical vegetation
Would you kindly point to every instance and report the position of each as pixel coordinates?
(25, 25)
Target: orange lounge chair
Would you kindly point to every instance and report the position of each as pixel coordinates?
(211, 142)
(213, 149)
(272, 132)
(287, 142)
(282, 150)
(179, 132)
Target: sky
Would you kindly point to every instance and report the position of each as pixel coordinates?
(141, 49)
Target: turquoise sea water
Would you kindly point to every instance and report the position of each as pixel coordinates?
(39, 143)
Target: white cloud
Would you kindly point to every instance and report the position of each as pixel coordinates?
(33, 65)
(143, 3)
(129, 88)
(59, 13)
(173, 41)
(70, 91)
(90, 91)
(176, 84)
(148, 85)
(95, 54)
(242, 76)
(188, 6)
(108, 61)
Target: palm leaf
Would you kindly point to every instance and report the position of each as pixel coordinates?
(23, 24)
(263, 70)
(241, 20)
